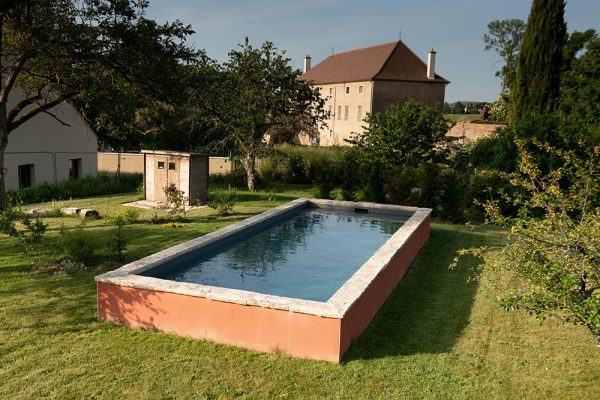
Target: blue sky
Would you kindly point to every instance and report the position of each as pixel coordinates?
(454, 28)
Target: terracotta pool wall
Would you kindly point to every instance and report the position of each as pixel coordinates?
(262, 328)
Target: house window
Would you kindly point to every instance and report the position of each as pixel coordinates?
(346, 110)
(330, 90)
(360, 90)
(25, 176)
(339, 113)
(171, 166)
(330, 115)
(347, 89)
(161, 165)
(74, 168)
(359, 113)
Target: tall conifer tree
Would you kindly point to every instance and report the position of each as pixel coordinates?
(536, 89)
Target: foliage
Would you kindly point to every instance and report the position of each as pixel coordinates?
(79, 245)
(255, 93)
(505, 38)
(553, 243)
(177, 200)
(118, 242)
(499, 110)
(31, 232)
(300, 164)
(580, 80)
(90, 53)
(172, 225)
(537, 84)
(222, 201)
(92, 185)
(126, 217)
(407, 134)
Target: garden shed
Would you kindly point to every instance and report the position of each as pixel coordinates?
(187, 171)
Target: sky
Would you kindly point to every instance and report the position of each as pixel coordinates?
(316, 27)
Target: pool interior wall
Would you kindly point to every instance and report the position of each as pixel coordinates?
(306, 254)
(321, 330)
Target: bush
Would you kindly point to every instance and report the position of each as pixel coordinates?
(301, 164)
(79, 246)
(101, 184)
(118, 242)
(499, 111)
(222, 201)
(126, 217)
(237, 178)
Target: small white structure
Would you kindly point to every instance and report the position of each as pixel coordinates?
(49, 150)
(187, 171)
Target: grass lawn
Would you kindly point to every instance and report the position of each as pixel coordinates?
(437, 337)
(461, 117)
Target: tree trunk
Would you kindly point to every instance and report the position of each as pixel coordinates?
(3, 125)
(250, 167)
(3, 144)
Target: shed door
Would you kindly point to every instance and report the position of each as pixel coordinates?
(160, 178)
(173, 171)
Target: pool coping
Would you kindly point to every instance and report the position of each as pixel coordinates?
(336, 307)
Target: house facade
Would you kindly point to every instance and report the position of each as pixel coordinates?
(367, 81)
(50, 148)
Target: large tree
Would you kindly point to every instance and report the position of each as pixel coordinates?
(505, 37)
(53, 51)
(254, 94)
(536, 88)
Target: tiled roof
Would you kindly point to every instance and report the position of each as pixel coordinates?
(389, 61)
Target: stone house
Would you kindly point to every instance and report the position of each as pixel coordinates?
(368, 80)
(49, 148)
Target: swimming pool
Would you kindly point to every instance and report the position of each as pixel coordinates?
(305, 278)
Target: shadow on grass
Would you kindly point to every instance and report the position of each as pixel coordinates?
(430, 307)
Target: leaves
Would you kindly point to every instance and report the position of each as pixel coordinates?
(554, 240)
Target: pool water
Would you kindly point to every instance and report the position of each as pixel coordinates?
(308, 255)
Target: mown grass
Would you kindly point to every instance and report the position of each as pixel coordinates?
(438, 336)
(461, 117)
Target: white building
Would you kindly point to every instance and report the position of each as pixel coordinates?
(48, 149)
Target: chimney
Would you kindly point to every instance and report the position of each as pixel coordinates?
(306, 63)
(431, 64)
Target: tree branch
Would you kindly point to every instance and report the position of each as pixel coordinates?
(42, 108)
(12, 77)
(56, 118)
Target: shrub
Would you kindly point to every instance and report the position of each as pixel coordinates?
(32, 231)
(118, 242)
(177, 200)
(499, 111)
(79, 246)
(126, 217)
(101, 184)
(222, 201)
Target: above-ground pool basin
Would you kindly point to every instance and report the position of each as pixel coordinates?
(305, 278)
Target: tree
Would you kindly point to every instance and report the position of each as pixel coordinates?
(580, 80)
(553, 248)
(406, 134)
(257, 92)
(53, 51)
(505, 37)
(536, 88)
(458, 108)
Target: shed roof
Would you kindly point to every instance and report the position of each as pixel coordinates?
(389, 61)
(172, 153)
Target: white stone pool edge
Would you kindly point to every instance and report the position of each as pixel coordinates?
(336, 307)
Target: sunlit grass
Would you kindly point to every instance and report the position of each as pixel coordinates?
(437, 337)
